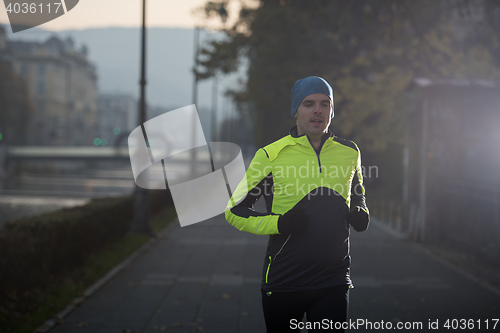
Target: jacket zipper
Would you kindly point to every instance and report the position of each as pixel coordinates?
(317, 155)
(319, 161)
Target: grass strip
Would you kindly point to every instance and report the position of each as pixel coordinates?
(48, 302)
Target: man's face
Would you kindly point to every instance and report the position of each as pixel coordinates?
(313, 115)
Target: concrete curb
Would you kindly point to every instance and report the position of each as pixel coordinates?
(51, 323)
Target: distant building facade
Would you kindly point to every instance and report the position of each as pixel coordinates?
(62, 85)
(117, 116)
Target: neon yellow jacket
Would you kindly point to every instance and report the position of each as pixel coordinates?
(291, 174)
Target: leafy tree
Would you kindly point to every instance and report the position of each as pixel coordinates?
(16, 108)
(370, 51)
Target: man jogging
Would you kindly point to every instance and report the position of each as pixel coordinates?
(313, 188)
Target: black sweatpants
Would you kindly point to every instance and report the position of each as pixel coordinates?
(284, 311)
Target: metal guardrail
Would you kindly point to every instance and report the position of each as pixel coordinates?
(85, 153)
(388, 212)
(66, 153)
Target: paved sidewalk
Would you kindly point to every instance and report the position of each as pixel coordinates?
(206, 277)
(396, 281)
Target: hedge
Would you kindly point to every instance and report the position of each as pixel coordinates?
(34, 250)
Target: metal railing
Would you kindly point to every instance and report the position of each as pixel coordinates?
(389, 211)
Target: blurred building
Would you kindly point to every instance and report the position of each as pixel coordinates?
(62, 85)
(3, 39)
(117, 116)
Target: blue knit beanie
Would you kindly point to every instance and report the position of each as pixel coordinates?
(307, 86)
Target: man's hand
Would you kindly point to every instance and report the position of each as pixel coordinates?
(358, 218)
(292, 222)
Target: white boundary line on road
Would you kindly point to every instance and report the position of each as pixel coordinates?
(423, 249)
(51, 323)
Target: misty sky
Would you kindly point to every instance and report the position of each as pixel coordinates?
(122, 13)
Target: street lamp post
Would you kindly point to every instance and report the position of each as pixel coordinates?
(213, 121)
(140, 222)
(223, 14)
(195, 100)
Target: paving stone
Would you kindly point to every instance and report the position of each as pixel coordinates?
(207, 276)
